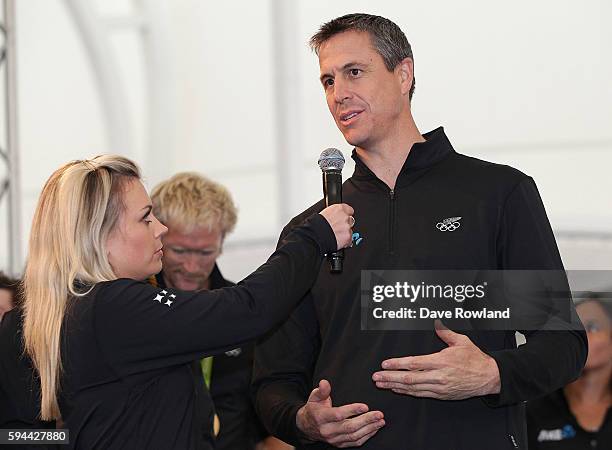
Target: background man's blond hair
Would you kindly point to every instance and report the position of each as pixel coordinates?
(189, 200)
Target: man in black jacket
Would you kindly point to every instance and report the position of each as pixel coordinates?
(199, 214)
(418, 205)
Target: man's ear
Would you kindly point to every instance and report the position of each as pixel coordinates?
(405, 71)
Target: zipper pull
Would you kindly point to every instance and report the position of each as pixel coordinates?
(514, 443)
(392, 194)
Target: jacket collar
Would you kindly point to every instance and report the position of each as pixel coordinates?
(422, 156)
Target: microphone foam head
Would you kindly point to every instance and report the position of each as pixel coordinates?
(331, 159)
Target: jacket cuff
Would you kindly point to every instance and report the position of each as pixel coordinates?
(292, 435)
(500, 399)
(325, 237)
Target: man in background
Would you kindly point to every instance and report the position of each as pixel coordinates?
(199, 214)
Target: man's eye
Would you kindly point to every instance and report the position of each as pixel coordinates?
(328, 82)
(355, 72)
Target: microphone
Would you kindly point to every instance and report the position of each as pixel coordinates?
(331, 163)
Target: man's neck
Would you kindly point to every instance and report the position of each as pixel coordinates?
(386, 158)
(206, 286)
(169, 284)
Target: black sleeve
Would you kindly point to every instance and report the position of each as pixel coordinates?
(283, 368)
(551, 358)
(282, 373)
(142, 327)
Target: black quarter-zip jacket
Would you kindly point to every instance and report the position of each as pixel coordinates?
(503, 226)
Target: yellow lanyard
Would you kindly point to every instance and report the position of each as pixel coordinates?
(207, 364)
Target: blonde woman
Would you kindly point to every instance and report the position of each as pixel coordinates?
(114, 352)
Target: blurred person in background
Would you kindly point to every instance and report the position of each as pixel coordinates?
(579, 416)
(8, 292)
(114, 353)
(199, 214)
(19, 384)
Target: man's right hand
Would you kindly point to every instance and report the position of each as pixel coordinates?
(342, 426)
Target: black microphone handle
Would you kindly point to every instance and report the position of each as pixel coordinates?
(332, 191)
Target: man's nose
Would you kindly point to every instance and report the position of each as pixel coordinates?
(341, 91)
(191, 263)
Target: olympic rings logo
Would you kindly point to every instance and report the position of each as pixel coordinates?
(447, 226)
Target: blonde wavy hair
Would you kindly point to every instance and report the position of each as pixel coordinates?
(77, 209)
(189, 200)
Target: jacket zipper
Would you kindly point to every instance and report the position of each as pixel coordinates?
(391, 221)
(513, 440)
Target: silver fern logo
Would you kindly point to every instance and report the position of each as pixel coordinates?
(450, 224)
(235, 352)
